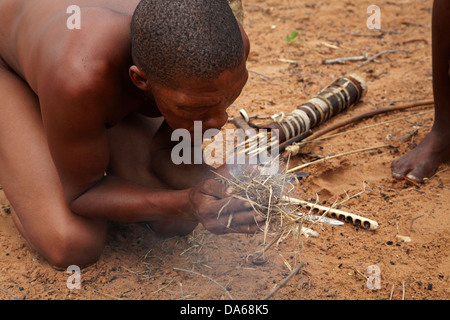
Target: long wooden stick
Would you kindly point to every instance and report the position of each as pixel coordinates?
(369, 126)
(353, 119)
(367, 115)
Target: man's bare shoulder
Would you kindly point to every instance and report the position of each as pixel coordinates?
(82, 58)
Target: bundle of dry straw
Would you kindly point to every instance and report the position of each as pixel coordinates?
(267, 194)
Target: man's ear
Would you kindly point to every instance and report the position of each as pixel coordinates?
(139, 78)
(246, 40)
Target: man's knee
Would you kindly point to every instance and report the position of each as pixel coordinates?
(68, 244)
(67, 240)
(74, 247)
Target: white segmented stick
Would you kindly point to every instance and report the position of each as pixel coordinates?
(350, 217)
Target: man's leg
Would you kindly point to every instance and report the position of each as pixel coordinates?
(434, 149)
(132, 149)
(31, 183)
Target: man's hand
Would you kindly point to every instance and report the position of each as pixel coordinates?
(220, 213)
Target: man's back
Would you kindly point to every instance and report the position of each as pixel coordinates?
(34, 34)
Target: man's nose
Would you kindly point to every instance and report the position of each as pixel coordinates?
(216, 122)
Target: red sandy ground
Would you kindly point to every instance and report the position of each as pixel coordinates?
(136, 264)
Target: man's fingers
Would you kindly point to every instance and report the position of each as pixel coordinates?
(231, 205)
(230, 226)
(240, 219)
(227, 220)
(216, 189)
(221, 213)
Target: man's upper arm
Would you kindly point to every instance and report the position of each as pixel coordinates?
(76, 85)
(73, 106)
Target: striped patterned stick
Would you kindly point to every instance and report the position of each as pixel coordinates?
(296, 125)
(335, 98)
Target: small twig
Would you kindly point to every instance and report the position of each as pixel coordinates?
(262, 76)
(209, 278)
(345, 59)
(359, 272)
(4, 290)
(288, 61)
(282, 283)
(105, 294)
(415, 40)
(408, 180)
(403, 295)
(392, 102)
(163, 287)
(259, 253)
(181, 290)
(436, 173)
(376, 35)
(332, 46)
(336, 156)
(379, 54)
(412, 221)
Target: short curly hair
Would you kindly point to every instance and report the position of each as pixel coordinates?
(185, 39)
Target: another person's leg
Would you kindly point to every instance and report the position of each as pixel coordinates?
(423, 161)
(32, 185)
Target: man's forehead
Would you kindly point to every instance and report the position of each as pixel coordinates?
(205, 92)
(191, 98)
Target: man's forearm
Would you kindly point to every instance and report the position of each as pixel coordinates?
(116, 199)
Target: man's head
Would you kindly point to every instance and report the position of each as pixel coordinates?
(180, 42)
(185, 38)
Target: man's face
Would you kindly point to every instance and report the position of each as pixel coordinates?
(196, 100)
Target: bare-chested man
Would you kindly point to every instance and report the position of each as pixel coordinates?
(82, 138)
(434, 149)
